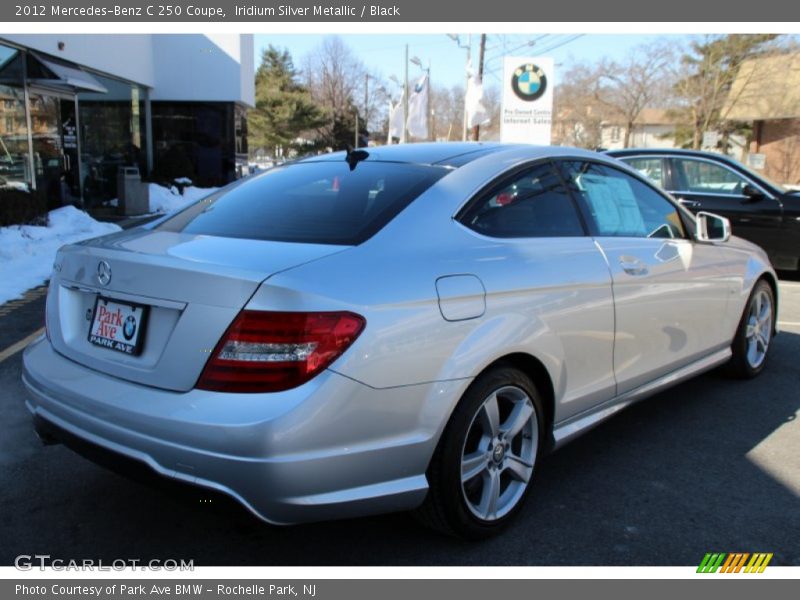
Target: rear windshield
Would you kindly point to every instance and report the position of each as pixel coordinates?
(313, 202)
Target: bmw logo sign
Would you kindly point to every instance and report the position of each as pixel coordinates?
(129, 328)
(528, 82)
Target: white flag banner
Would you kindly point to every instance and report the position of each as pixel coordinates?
(418, 109)
(396, 120)
(473, 103)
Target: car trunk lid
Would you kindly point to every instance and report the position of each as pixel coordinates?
(190, 286)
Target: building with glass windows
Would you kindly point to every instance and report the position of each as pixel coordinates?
(76, 108)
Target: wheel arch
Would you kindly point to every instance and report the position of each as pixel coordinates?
(536, 370)
(437, 511)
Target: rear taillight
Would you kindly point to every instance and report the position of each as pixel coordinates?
(47, 314)
(275, 351)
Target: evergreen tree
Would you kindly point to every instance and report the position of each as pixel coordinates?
(284, 107)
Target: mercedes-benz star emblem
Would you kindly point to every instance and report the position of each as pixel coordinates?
(103, 273)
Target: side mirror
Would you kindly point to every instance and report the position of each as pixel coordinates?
(711, 228)
(751, 193)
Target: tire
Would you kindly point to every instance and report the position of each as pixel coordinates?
(753, 338)
(496, 481)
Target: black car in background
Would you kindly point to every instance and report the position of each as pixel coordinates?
(759, 210)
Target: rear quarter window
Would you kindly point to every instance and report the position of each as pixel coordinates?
(310, 202)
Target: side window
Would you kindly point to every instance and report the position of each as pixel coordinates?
(651, 168)
(532, 204)
(701, 177)
(620, 205)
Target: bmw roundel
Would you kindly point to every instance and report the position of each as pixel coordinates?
(528, 82)
(129, 328)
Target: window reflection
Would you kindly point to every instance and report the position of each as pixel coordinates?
(14, 158)
(112, 136)
(48, 153)
(195, 140)
(66, 131)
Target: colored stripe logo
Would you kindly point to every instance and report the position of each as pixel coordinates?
(734, 562)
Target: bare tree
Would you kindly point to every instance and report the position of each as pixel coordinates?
(640, 81)
(577, 114)
(492, 100)
(447, 105)
(374, 103)
(334, 77)
(705, 78)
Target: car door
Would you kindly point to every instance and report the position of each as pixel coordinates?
(702, 184)
(538, 262)
(670, 293)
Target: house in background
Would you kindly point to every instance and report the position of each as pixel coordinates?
(653, 128)
(588, 126)
(76, 108)
(576, 124)
(766, 92)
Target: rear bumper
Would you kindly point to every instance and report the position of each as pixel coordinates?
(332, 448)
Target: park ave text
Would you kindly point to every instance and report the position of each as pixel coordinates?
(177, 589)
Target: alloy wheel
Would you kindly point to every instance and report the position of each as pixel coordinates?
(499, 453)
(759, 329)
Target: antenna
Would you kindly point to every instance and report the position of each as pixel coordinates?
(353, 157)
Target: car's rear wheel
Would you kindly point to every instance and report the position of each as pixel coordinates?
(482, 469)
(753, 339)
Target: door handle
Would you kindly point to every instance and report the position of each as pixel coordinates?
(633, 266)
(689, 203)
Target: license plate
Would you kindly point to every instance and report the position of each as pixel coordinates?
(118, 325)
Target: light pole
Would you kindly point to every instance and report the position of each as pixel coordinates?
(367, 77)
(380, 91)
(366, 99)
(379, 87)
(476, 130)
(404, 138)
(394, 79)
(468, 47)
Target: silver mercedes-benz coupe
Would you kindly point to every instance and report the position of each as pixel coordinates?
(408, 327)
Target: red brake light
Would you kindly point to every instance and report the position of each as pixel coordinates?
(47, 314)
(275, 351)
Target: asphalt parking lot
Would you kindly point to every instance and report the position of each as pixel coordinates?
(711, 465)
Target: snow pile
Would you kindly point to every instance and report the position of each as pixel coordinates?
(167, 200)
(27, 252)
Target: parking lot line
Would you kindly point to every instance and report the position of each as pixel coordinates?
(20, 345)
(29, 296)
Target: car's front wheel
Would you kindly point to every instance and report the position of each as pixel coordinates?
(753, 338)
(482, 469)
